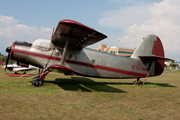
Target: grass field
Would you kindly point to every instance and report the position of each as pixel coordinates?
(79, 98)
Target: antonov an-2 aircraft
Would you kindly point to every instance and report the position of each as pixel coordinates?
(66, 53)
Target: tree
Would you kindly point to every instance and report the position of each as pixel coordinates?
(173, 65)
(4, 58)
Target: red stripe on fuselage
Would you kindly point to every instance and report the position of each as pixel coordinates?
(37, 55)
(81, 63)
(107, 68)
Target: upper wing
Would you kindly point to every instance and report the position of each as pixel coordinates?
(76, 33)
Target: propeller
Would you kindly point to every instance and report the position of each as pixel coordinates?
(8, 50)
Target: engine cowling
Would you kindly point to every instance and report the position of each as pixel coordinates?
(20, 51)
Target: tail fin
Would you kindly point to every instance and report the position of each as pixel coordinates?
(150, 51)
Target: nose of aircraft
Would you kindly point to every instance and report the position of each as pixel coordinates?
(8, 50)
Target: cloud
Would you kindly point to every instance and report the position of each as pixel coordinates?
(21, 32)
(30, 33)
(124, 17)
(137, 21)
(6, 21)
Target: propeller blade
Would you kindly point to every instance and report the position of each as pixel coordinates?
(11, 38)
(8, 50)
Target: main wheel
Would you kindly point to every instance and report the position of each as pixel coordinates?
(37, 82)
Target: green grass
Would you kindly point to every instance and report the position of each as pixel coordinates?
(79, 98)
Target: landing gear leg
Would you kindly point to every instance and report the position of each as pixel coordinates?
(39, 80)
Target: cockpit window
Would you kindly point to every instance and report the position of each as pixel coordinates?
(41, 44)
(23, 43)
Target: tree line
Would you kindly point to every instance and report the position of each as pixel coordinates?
(4, 58)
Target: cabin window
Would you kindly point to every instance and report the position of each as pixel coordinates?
(57, 54)
(93, 61)
(42, 44)
(69, 56)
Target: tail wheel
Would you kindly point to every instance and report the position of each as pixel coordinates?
(139, 82)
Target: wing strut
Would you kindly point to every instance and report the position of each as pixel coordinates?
(64, 53)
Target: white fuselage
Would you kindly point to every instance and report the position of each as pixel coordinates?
(85, 61)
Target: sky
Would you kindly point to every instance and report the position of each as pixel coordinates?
(125, 22)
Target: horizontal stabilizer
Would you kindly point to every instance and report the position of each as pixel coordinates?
(153, 58)
(154, 63)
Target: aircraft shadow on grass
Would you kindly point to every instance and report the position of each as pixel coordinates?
(88, 85)
(85, 85)
(160, 84)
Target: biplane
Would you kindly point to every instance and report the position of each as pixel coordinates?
(66, 53)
